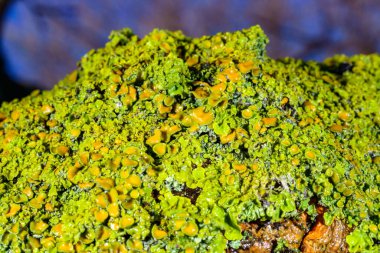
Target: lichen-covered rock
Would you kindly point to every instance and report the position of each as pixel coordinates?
(170, 144)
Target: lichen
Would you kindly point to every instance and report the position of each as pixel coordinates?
(167, 143)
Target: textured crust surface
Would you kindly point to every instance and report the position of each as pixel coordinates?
(177, 144)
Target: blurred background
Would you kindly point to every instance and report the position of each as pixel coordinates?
(41, 41)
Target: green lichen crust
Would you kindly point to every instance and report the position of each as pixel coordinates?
(167, 143)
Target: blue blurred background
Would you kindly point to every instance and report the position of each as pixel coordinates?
(41, 40)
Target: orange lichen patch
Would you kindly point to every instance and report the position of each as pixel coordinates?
(34, 243)
(189, 250)
(224, 62)
(190, 229)
(97, 145)
(151, 172)
(84, 157)
(155, 138)
(178, 224)
(96, 156)
(273, 112)
(245, 67)
(169, 101)
(178, 115)
(164, 109)
(159, 149)
(241, 133)
(62, 150)
(327, 79)
(345, 116)
(310, 154)
(159, 98)
(295, 161)
(286, 142)
(57, 230)
(228, 138)
(147, 94)
(284, 101)
(72, 172)
(102, 200)
(105, 183)
(15, 228)
(257, 126)
(220, 87)
(309, 106)
(215, 99)
(65, 247)
(95, 171)
(10, 135)
(306, 122)
(129, 162)
(104, 150)
(166, 47)
(73, 76)
(51, 123)
(114, 225)
(49, 207)
(13, 210)
(79, 247)
(124, 174)
(239, 167)
(104, 234)
(86, 185)
(47, 109)
(113, 209)
(101, 216)
(127, 100)
(38, 201)
(38, 227)
(191, 61)
(2, 116)
(221, 77)
(336, 128)
(247, 113)
(54, 137)
(116, 78)
(269, 121)
(132, 93)
(158, 233)
(294, 149)
(121, 249)
(232, 74)
(126, 221)
(134, 180)
(41, 135)
(317, 121)
(255, 167)
(113, 195)
(187, 120)
(201, 93)
(137, 245)
(131, 151)
(134, 194)
(201, 117)
(171, 129)
(48, 242)
(115, 163)
(230, 180)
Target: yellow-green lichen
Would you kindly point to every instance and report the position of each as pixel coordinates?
(167, 143)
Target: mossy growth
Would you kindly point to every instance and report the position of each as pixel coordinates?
(167, 143)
